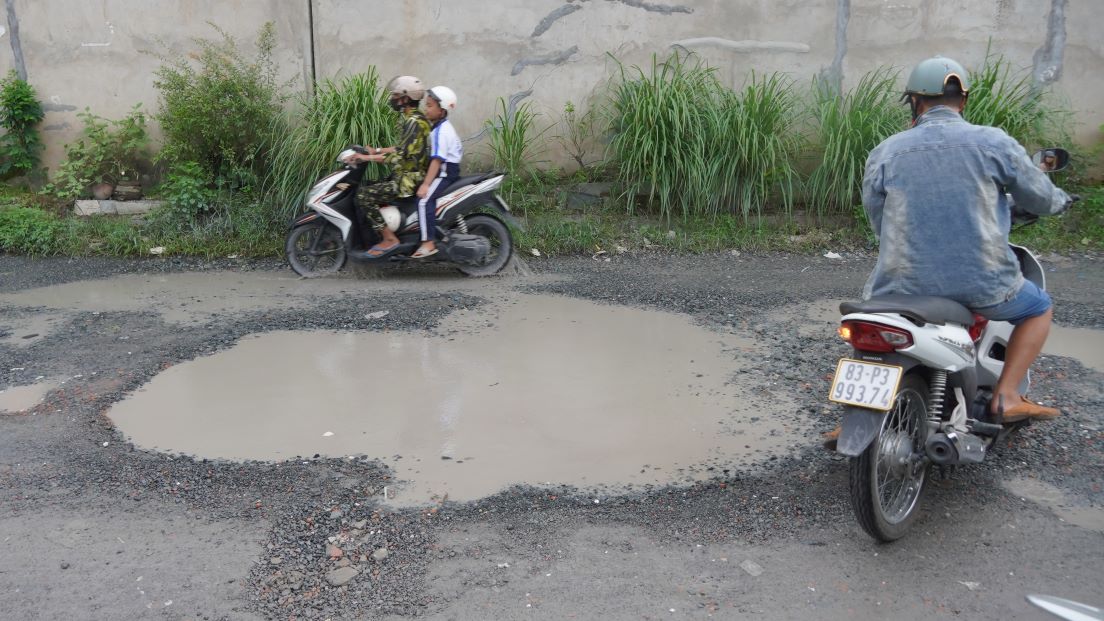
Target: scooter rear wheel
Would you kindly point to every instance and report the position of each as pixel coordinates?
(315, 249)
(502, 245)
(887, 479)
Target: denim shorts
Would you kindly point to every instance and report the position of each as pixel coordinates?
(1031, 301)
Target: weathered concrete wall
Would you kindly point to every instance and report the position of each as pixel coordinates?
(545, 51)
(98, 55)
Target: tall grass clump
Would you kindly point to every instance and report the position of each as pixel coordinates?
(1006, 98)
(662, 126)
(848, 126)
(514, 140)
(351, 111)
(697, 148)
(756, 144)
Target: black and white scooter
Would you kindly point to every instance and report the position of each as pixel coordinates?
(471, 225)
(916, 392)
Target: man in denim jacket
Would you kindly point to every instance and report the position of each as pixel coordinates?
(935, 195)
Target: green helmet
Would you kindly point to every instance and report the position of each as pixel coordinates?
(931, 76)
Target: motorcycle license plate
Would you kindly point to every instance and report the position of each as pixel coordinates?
(865, 384)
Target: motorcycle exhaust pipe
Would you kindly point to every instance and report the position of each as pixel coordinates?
(946, 449)
(941, 450)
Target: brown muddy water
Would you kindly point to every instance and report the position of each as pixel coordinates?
(1054, 499)
(527, 390)
(191, 298)
(19, 398)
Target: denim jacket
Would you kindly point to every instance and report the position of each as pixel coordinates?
(936, 199)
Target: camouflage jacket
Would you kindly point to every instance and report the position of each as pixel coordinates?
(410, 160)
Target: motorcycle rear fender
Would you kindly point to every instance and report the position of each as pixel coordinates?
(488, 203)
(860, 426)
(858, 429)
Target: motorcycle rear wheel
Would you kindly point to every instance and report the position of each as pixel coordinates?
(315, 249)
(887, 479)
(502, 245)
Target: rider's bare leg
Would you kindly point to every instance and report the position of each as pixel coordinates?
(1023, 347)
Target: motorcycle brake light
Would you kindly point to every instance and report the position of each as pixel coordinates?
(978, 327)
(875, 337)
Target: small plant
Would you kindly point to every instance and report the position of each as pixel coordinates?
(221, 113)
(108, 151)
(352, 111)
(578, 133)
(185, 189)
(20, 112)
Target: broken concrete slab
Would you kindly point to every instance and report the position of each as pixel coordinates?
(114, 208)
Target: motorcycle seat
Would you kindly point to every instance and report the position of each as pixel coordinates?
(469, 180)
(918, 308)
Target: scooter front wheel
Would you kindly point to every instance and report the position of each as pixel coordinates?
(315, 249)
(887, 479)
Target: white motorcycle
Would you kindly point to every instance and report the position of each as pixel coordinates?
(916, 392)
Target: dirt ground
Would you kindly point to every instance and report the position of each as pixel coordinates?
(93, 526)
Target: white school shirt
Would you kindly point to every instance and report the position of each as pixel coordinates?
(445, 144)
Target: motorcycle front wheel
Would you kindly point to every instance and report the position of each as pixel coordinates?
(887, 479)
(502, 245)
(315, 249)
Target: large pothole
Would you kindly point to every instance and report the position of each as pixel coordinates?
(526, 390)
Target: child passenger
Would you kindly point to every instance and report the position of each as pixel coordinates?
(445, 151)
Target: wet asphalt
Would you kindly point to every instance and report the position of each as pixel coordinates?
(91, 527)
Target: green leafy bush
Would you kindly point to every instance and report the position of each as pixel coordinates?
(185, 188)
(108, 151)
(352, 111)
(221, 113)
(20, 112)
(848, 127)
(26, 230)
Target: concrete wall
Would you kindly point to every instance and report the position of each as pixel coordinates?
(82, 54)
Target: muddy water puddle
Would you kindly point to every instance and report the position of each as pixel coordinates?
(529, 389)
(19, 398)
(1054, 499)
(196, 297)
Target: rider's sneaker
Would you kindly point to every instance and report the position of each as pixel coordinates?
(1028, 410)
(831, 438)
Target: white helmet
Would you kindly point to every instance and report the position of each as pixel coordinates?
(444, 96)
(406, 86)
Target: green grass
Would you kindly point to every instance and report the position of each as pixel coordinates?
(1079, 229)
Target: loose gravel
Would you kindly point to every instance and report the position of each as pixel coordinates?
(332, 547)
